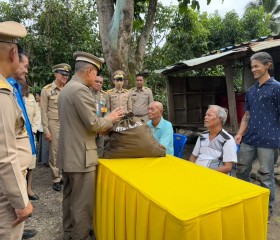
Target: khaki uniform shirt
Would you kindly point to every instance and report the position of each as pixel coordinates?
(141, 100)
(120, 99)
(33, 112)
(78, 128)
(102, 103)
(49, 109)
(15, 148)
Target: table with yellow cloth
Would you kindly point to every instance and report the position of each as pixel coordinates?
(173, 199)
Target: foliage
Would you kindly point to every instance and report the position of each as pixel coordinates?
(255, 23)
(272, 10)
(56, 29)
(59, 28)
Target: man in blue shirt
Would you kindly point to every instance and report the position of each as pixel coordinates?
(20, 75)
(161, 129)
(260, 126)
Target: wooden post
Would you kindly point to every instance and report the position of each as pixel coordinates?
(231, 96)
(170, 102)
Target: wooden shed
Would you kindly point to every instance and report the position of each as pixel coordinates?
(189, 97)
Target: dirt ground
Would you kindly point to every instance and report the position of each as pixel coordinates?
(47, 216)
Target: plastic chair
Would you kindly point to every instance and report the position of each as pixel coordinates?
(179, 143)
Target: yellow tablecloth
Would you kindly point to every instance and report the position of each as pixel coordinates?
(173, 199)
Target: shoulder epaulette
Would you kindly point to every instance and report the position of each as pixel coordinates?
(47, 86)
(102, 91)
(110, 90)
(5, 85)
(125, 90)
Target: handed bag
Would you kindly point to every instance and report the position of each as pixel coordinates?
(132, 138)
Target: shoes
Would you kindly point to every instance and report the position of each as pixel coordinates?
(33, 197)
(28, 233)
(57, 186)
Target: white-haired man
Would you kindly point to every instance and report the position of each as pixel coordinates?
(215, 148)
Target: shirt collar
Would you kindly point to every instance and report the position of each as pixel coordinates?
(14, 84)
(269, 81)
(160, 123)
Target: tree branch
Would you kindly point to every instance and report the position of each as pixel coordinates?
(145, 34)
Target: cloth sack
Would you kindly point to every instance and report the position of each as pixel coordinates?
(131, 137)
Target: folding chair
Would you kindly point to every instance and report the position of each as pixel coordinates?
(179, 143)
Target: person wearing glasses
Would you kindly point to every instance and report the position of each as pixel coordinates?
(102, 109)
(49, 117)
(15, 154)
(118, 96)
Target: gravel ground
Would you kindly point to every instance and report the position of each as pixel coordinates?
(47, 216)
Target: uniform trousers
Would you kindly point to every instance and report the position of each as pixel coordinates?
(43, 149)
(144, 117)
(54, 130)
(7, 217)
(78, 204)
(100, 145)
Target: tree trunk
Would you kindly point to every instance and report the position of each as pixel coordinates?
(115, 27)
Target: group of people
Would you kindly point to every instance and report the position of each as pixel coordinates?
(76, 114)
(258, 136)
(73, 118)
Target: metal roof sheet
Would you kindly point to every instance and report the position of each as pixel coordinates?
(259, 46)
(200, 60)
(253, 46)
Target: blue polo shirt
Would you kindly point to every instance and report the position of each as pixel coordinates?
(17, 92)
(263, 103)
(163, 133)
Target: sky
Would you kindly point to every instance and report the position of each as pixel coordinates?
(223, 8)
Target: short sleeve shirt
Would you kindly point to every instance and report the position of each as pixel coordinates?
(120, 99)
(263, 103)
(141, 100)
(212, 153)
(163, 133)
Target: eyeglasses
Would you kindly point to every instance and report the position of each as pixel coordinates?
(99, 82)
(119, 79)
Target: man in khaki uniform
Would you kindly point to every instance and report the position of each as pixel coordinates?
(33, 112)
(77, 155)
(141, 97)
(118, 96)
(50, 120)
(102, 107)
(15, 154)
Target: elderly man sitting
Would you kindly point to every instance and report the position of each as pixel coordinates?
(161, 128)
(215, 148)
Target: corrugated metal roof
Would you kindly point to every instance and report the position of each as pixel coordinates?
(259, 46)
(200, 60)
(251, 46)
